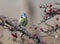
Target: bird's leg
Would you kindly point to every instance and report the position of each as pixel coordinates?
(22, 39)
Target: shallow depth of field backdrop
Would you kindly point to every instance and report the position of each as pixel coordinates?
(14, 8)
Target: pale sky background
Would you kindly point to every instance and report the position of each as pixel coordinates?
(14, 8)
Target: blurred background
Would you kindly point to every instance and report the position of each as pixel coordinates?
(14, 8)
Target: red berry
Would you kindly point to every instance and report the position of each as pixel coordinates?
(53, 11)
(41, 29)
(47, 12)
(35, 28)
(56, 25)
(57, 18)
(50, 5)
(46, 17)
(50, 10)
(14, 35)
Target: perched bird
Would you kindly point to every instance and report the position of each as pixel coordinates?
(23, 21)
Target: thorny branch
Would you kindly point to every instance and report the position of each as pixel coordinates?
(15, 27)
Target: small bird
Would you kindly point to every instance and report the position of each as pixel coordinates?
(23, 21)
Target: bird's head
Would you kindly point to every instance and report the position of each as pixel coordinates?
(24, 15)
